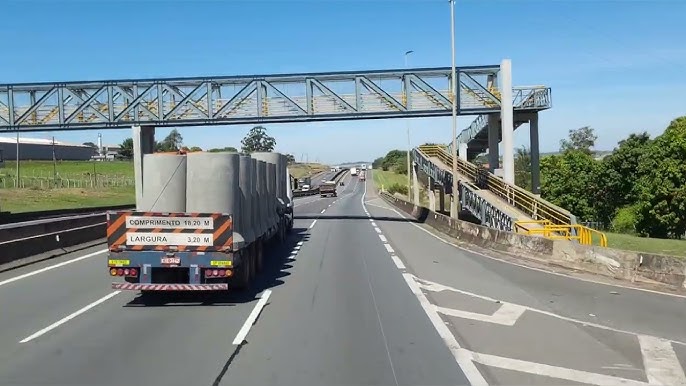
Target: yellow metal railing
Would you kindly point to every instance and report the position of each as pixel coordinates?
(530, 204)
(581, 233)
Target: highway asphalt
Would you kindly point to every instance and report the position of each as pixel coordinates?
(358, 295)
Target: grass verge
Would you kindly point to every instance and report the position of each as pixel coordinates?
(670, 247)
(30, 200)
(300, 170)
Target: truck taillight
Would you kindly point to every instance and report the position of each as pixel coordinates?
(113, 272)
(133, 272)
(120, 272)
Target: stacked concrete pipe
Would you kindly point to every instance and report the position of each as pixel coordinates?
(213, 186)
(164, 189)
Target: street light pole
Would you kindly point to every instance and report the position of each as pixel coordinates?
(409, 146)
(455, 81)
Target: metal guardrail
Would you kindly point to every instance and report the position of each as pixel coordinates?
(11, 218)
(533, 206)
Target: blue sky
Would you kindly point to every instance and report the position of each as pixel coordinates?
(617, 66)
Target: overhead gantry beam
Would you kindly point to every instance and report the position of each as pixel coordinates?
(420, 92)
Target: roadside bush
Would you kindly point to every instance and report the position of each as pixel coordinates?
(397, 188)
(625, 220)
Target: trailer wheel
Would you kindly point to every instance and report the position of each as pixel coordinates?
(241, 278)
(252, 259)
(259, 256)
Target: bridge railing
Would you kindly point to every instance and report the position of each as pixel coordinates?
(530, 204)
(583, 234)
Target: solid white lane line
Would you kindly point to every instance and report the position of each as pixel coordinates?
(398, 263)
(383, 238)
(662, 367)
(462, 357)
(312, 225)
(553, 371)
(377, 230)
(389, 248)
(243, 332)
(69, 317)
(48, 268)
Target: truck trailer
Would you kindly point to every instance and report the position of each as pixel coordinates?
(202, 223)
(328, 188)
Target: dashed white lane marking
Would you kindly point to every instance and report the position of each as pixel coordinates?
(243, 332)
(506, 315)
(398, 263)
(660, 361)
(377, 229)
(312, 225)
(371, 220)
(389, 248)
(323, 210)
(51, 267)
(383, 238)
(69, 317)
(373, 224)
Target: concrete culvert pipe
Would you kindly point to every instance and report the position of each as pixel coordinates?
(262, 191)
(164, 183)
(213, 186)
(255, 207)
(246, 187)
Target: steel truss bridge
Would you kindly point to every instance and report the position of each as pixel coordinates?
(419, 92)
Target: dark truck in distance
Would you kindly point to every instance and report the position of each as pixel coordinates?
(328, 188)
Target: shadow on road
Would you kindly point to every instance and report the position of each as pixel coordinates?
(276, 268)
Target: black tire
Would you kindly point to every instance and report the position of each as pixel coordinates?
(241, 277)
(259, 255)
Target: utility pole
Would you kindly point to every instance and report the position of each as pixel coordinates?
(455, 81)
(17, 159)
(54, 163)
(409, 146)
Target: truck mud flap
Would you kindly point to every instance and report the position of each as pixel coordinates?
(170, 287)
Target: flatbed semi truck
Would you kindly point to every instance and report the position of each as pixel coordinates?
(328, 188)
(203, 222)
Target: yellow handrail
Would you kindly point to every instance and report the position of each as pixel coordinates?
(552, 231)
(532, 205)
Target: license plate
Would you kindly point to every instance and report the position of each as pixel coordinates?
(118, 263)
(171, 260)
(220, 263)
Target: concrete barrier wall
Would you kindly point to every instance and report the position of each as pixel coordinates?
(609, 262)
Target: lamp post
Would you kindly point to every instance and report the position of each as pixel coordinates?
(409, 147)
(455, 81)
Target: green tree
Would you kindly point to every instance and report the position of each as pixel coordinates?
(195, 148)
(257, 140)
(522, 167)
(229, 149)
(619, 177)
(376, 164)
(395, 160)
(582, 139)
(661, 207)
(126, 148)
(171, 142)
(569, 179)
(290, 158)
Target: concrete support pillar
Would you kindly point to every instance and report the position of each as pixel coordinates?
(143, 143)
(493, 140)
(535, 155)
(432, 195)
(453, 206)
(415, 185)
(507, 120)
(462, 151)
(441, 199)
